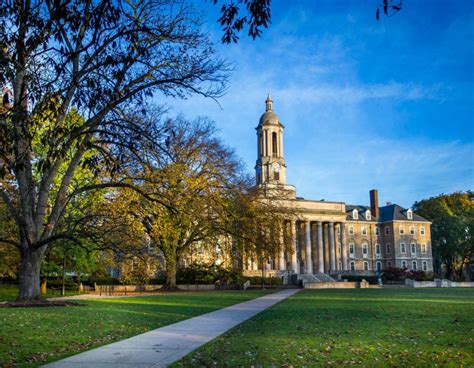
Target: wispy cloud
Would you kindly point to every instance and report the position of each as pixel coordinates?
(365, 105)
(403, 171)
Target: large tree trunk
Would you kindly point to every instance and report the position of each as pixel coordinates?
(171, 261)
(29, 275)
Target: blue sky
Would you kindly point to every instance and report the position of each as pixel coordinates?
(366, 104)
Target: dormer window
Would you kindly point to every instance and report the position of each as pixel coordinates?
(368, 216)
(410, 214)
(355, 214)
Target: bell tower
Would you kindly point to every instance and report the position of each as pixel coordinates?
(270, 167)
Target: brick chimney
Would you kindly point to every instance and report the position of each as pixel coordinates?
(374, 203)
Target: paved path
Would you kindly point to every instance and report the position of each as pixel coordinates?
(165, 345)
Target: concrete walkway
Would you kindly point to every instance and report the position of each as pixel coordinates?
(166, 345)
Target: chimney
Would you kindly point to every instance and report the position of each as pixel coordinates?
(374, 203)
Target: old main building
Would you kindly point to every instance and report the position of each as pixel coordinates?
(334, 237)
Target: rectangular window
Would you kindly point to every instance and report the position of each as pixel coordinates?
(387, 230)
(364, 230)
(377, 248)
(377, 230)
(351, 249)
(266, 144)
(351, 230)
(276, 175)
(387, 248)
(402, 230)
(424, 249)
(403, 248)
(412, 230)
(340, 249)
(274, 144)
(422, 230)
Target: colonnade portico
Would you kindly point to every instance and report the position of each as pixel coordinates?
(307, 250)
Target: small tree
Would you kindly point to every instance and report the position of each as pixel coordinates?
(451, 232)
(192, 173)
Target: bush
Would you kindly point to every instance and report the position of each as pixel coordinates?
(158, 280)
(420, 276)
(58, 284)
(394, 274)
(355, 278)
(102, 281)
(202, 274)
(257, 280)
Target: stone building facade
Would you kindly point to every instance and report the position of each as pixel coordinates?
(334, 237)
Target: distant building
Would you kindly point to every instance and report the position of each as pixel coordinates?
(334, 237)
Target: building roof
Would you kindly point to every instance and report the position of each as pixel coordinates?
(392, 212)
(361, 209)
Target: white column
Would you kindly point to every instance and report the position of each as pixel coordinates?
(320, 248)
(281, 255)
(309, 259)
(326, 247)
(343, 246)
(294, 262)
(332, 248)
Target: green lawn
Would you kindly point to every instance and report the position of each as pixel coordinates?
(360, 327)
(10, 292)
(31, 336)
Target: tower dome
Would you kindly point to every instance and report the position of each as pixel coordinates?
(269, 117)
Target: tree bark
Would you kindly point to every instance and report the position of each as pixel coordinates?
(29, 275)
(170, 280)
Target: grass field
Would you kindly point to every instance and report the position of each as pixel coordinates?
(10, 292)
(360, 327)
(31, 336)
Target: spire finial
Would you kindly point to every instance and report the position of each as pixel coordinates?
(269, 102)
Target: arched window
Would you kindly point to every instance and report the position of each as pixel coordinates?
(368, 216)
(355, 214)
(425, 266)
(414, 266)
(404, 264)
(366, 266)
(352, 266)
(410, 214)
(274, 144)
(379, 266)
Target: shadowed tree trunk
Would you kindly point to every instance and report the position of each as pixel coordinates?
(170, 282)
(171, 258)
(29, 275)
